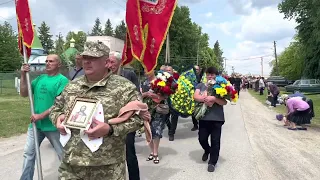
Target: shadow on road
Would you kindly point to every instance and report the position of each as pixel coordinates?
(163, 151)
(157, 172)
(197, 155)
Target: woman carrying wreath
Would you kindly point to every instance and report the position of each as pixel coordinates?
(210, 124)
(156, 98)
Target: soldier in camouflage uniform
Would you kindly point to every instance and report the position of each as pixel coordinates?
(114, 92)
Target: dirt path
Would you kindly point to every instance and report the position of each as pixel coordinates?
(278, 152)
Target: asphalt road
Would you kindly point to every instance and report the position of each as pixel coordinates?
(254, 146)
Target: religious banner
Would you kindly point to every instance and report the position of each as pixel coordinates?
(134, 40)
(155, 18)
(25, 26)
(127, 56)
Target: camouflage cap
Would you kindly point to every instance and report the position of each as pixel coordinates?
(95, 49)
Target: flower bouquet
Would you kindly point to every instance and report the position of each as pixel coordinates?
(160, 88)
(220, 88)
(182, 101)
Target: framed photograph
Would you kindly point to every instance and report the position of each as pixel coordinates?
(80, 116)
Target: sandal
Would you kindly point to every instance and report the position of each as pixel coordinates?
(156, 159)
(290, 128)
(150, 157)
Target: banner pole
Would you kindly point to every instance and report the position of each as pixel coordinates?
(35, 133)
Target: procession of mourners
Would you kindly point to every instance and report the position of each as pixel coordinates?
(93, 114)
(91, 117)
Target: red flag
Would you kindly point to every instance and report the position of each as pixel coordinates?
(134, 30)
(156, 20)
(127, 56)
(148, 23)
(25, 26)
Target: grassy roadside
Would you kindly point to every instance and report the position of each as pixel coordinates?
(282, 109)
(15, 115)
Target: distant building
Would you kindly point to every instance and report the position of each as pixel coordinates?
(70, 53)
(113, 43)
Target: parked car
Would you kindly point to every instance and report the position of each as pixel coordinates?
(278, 80)
(304, 85)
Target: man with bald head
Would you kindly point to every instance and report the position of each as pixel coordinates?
(45, 89)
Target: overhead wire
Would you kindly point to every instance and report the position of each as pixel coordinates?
(6, 2)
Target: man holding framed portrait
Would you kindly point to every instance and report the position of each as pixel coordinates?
(113, 92)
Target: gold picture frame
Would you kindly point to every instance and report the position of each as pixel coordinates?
(80, 116)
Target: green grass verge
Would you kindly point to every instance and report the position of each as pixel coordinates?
(15, 115)
(282, 109)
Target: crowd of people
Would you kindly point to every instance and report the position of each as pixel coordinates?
(98, 75)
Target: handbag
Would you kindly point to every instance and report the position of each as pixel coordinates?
(162, 109)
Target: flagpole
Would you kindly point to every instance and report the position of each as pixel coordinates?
(35, 133)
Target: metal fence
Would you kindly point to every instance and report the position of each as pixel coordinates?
(9, 84)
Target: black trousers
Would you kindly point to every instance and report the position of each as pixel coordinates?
(132, 160)
(194, 121)
(173, 120)
(238, 88)
(274, 100)
(261, 90)
(213, 129)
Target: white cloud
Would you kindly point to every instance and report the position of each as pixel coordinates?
(264, 25)
(208, 15)
(7, 13)
(254, 34)
(245, 7)
(246, 56)
(226, 27)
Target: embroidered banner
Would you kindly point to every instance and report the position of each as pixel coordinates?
(134, 32)
(25, 26)
(154, 19)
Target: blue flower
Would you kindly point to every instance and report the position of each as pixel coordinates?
(220, 79)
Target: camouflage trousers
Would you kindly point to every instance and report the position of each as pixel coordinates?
(110, 172)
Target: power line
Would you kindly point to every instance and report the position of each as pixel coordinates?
(6, 2)
(119, 4)
(6, 18)
(250, 58)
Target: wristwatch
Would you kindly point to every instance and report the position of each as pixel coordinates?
(110, 130)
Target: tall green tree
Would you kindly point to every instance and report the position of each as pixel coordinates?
(59, 44)
(108, 30)
(96, 30)
(45, 37)
(80, 38)
(10, 58)
(120, 31)
(218, 53)
(306, 14)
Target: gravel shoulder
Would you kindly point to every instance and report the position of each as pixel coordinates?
(278, 152)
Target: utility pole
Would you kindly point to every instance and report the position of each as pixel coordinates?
(261, 66)
(225, 64)
(167, 49)
(232, 69)
(276, 57)
(198, 53)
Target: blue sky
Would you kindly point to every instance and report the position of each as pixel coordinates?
(245, 29)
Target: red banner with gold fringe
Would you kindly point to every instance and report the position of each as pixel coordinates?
(25, 26)
(153, 19)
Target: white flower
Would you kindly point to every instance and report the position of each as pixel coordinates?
(163, 78)
(166, 74)
(159, 75)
